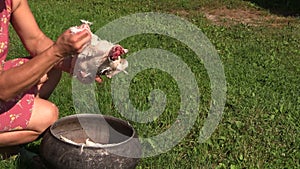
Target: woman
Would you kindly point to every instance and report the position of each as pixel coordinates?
(25, 84)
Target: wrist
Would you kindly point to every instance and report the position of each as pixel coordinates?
(56, 51)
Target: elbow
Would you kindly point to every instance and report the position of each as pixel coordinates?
(5, 97)
(5, 94)
(3, 100)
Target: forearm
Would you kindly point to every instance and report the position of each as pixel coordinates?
(39, 45)
(19, 79)
(44, 43)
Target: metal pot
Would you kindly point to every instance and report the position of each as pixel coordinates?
(119, 148)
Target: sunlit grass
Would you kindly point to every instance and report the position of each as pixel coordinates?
(260, 126)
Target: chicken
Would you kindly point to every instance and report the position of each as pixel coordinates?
(99, 57)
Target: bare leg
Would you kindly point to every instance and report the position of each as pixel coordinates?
(43, 115)
(44, 112)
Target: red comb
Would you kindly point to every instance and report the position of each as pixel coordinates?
(116, 52)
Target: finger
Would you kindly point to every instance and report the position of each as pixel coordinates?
(44, 78)
(98, 79)
(83, 42)
(85, 35)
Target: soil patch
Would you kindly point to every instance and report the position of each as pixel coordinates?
(228, 17)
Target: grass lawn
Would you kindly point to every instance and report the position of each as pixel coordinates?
(260, 52)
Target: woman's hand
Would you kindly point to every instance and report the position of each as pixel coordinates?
(70, 43)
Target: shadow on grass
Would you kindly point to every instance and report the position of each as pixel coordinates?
(280, 7)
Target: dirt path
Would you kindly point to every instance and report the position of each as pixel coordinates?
(228, 17)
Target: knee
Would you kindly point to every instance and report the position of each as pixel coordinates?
(52, 114)
(43, 117)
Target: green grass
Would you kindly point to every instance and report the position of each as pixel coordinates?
(260, 126)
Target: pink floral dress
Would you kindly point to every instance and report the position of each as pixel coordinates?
(14, 114)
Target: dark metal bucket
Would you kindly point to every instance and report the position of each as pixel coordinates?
(119, 148)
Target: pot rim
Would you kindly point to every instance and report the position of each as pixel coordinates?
(94, 115)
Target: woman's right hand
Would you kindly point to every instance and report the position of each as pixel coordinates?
(70, 43)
